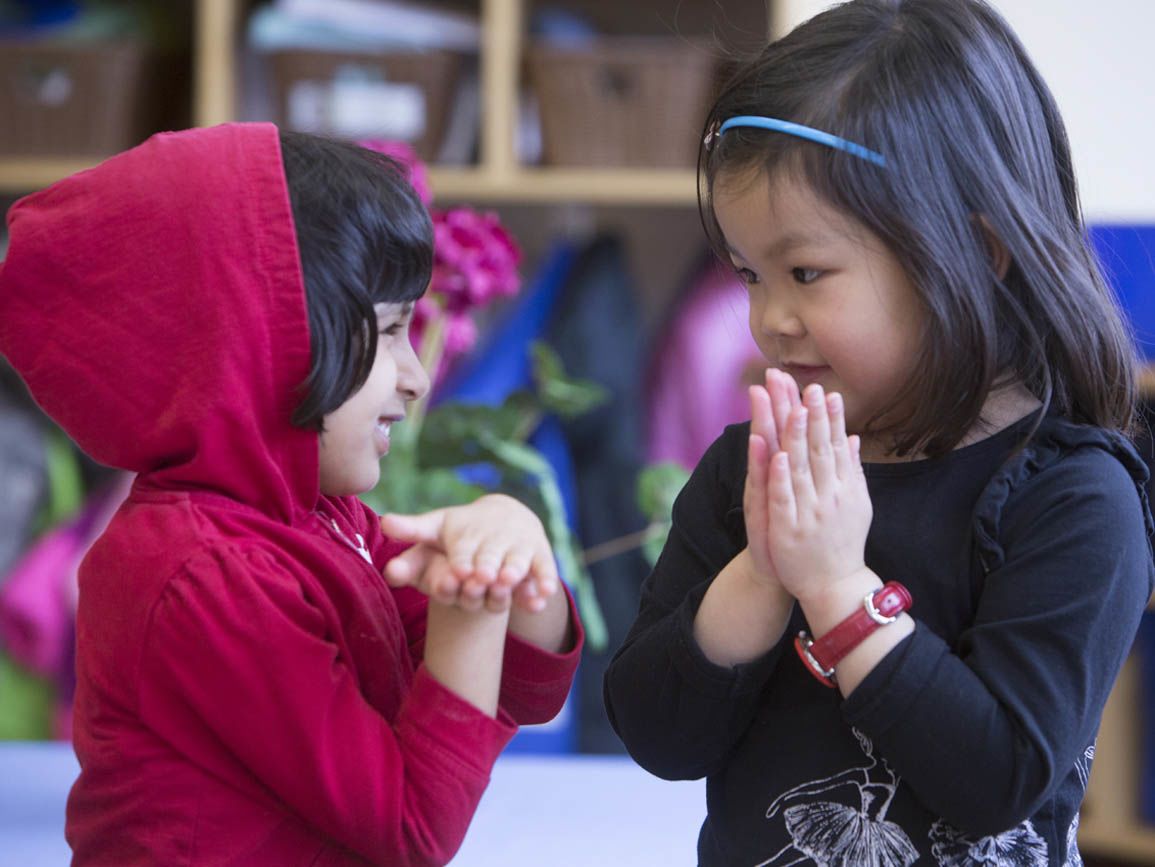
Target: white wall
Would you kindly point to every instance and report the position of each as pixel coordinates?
(1098, 56)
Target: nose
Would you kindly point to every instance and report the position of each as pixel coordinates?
(412, 378)
(773, 317)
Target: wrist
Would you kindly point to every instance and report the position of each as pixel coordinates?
(832, 603)
(551, 629)
(452, 613)
(881, 608)
(758, 580)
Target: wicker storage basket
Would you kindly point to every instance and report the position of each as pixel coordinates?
(404, 96)
(624, 101)
(79, 99)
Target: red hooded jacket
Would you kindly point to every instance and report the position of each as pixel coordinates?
(250, 691)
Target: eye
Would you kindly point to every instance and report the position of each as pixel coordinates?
(394, 325)
(805, 276)
(746, 275)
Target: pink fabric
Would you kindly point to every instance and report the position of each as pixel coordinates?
(247, 691)
(35, 614)
(700, 372)
(38, 598)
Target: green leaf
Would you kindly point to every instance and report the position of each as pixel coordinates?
(451, 434)
(421, 471)
(652, 547)
(558, 393)
(407, 488)
(658, 487)
(518, 456)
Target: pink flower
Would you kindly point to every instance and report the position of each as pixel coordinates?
(405, 155)
(459, 337)
(475, 260)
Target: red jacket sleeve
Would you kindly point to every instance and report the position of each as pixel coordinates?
(238, 673)
(534, 682)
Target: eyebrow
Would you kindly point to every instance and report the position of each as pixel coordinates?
(405, 310)
(787, 244)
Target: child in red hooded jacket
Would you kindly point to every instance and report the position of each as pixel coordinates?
(265, 676)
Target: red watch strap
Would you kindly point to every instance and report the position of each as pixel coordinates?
(878, 609)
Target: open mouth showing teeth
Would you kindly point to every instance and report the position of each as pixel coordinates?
(383, 425)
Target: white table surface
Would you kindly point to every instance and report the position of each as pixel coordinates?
(564, 811)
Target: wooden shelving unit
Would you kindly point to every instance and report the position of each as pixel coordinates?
(498, 177)
(1111, 827)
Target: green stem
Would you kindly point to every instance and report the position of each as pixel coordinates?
(622, 544)
(529, 461)
(527, 426)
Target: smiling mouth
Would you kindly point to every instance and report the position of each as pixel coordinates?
(381, 434)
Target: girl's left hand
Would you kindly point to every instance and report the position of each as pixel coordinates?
(820, 509)
(496, 548)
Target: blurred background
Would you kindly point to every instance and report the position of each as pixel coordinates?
(576, 123)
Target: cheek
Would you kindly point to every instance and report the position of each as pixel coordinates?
(872, 365)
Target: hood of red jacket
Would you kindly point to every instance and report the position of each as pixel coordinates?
(154, 306)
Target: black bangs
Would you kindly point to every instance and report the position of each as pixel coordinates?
(977, 159)
(364, 238)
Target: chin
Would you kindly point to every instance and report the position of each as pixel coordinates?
(351, 485)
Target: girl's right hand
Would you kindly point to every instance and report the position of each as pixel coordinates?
(770, 408)
(496, 548)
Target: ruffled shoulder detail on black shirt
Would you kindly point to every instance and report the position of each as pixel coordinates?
(1055, 440)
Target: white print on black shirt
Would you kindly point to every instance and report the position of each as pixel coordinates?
(1019, 847)
(846, 826)
(840, 821)
(1083, 768)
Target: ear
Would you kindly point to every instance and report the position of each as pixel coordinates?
(996, 249)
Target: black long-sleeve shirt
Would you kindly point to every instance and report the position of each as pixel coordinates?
(1029, 570)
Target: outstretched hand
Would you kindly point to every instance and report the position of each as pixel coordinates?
(495, 553)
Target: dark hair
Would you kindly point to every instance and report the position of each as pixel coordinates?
(974, 144)
(364, 238)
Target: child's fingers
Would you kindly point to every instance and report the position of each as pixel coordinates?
(462, 553)
(498, 598)
(472, 595)
(784, 397)
(797, 447)
(544, 571)
(525, 596)
(515, 567)
(408, 566)
(488, 558)
(838, 441)
(754, 495)
(763, 442)
(821, 454)
(425, 527)
(439, 582)
(780, 491)
(762, 417)
(855, 443)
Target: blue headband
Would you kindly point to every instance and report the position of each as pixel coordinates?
(806, 132)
